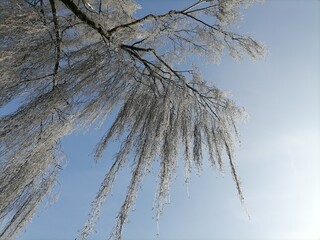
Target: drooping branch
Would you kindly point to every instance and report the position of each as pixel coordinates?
(133, 71)
(58, 40)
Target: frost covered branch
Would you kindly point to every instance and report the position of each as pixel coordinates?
(70, 63)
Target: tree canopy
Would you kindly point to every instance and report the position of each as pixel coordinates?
(70, 63)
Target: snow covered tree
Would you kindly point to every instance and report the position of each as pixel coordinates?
(71, 62)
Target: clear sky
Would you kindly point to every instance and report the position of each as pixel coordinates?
(278, 160)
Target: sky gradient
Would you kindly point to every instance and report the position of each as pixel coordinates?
(278, 160)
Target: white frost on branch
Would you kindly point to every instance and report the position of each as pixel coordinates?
(73, 62)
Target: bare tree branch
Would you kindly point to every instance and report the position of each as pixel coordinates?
(100, 58)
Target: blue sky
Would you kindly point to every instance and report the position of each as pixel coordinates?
(278, 160)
